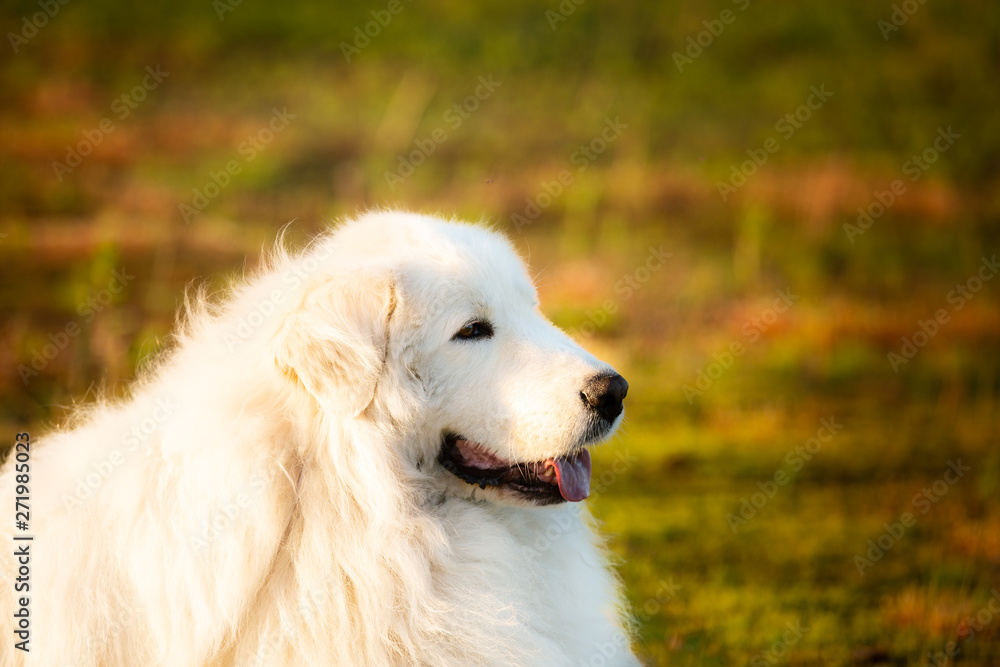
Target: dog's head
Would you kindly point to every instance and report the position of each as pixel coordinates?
(414, 311)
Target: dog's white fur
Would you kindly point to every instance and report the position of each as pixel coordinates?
(270, 493)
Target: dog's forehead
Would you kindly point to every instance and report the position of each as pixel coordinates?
(437, 257)
(486, 274)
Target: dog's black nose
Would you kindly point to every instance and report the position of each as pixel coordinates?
(604, 393)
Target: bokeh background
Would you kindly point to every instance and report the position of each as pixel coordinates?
(597, 135)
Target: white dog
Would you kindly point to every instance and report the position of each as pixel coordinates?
(361, 457)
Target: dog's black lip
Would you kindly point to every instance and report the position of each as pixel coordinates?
(520, 478)
(597, 431)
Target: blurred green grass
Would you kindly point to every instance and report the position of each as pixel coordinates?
(654, 186)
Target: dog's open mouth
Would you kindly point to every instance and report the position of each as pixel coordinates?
(553, 480)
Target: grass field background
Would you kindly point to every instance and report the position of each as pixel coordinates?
(770, 434)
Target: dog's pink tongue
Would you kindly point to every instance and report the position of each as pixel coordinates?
(573, 473)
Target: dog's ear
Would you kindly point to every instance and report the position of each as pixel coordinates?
(334, 342)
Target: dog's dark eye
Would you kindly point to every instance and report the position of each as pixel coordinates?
(474, 330)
